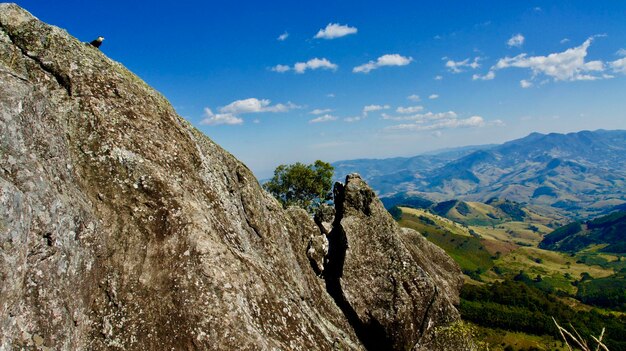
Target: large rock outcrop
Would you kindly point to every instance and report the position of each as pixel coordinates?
(123, 227)
(392, 283)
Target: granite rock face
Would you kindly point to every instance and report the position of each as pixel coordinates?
(123, 227)
(394, 286)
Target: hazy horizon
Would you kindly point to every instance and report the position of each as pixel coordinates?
(275, 84)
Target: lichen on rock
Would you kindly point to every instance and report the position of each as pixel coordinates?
(124, 227)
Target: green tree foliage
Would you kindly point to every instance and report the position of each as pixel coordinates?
(301, 185)
(609, 292)
(395, 212)
(516, 306)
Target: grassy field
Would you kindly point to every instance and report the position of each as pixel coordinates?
(494, 252)
(467, 250)
(557, 270)
(499, 340)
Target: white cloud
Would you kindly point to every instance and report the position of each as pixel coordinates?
(330, 95)
(438, 77)
(313, 64)
(372, 108)
(212, 119)
(516, 41)
(301, 67)
(568, 65)
(471, 122)
(254, 105)
(385, 60)
(367, 109)
(324, 118)
(281, 68)
(433, 96)
(497, 123)
(414, 98)
(410, 109)
(619, 66)
(460, 66)
(621, 52)
(564, 41)
(525, 84)
(335, 30)
(353, 119)
(489, 76)
(283, 36)
(319, 111)
(422, 117)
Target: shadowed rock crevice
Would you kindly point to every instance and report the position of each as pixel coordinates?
(372, 334)
(62, 79)
(383, 278)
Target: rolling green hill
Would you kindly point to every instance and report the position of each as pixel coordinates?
(608, 231)
(512, 287)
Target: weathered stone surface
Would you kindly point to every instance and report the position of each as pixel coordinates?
(123, 227)
(393, 284)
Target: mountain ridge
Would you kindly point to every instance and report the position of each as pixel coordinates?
(576, 174)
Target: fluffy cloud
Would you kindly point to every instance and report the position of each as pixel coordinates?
(320, 111)
(385, 60)
(410, 109)
(229, 114)
(301, 67)
(367, 109)
(314, 64)
(525, 84)
(353, 119)
(433, 96)
(422, 117)
(281, 68)
(569, 65)
(489, 76)
(335, 30)
(324, 118)
(471, 122)
(414, 98)
(438, 78)
(372, 108)
(254, 105)
(516, 41)
(460, 66)
(212, 119)
(619, 66)
(283, 37)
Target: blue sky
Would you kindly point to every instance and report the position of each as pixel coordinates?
(363, 79)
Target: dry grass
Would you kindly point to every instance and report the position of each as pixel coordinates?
(578, 341)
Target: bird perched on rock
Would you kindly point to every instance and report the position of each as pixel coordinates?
(97, 42)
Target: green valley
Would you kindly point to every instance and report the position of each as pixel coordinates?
(501, 248)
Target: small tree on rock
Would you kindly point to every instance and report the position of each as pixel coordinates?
(301, 185)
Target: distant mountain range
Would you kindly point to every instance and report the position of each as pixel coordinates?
(577, 174)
